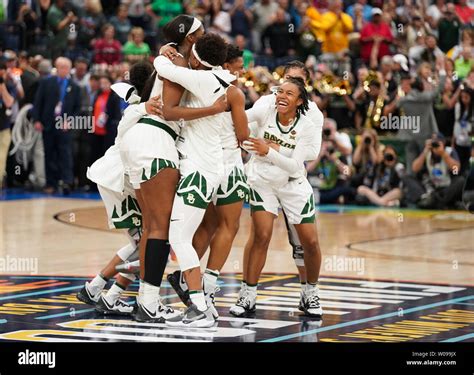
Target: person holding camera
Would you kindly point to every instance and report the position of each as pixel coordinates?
(367, 155)
(328, 174)
(341, 141)
(7, 99)
(59, 19)
(384, 189)
(439, 184)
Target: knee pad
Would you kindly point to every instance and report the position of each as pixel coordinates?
(181, 243)
(298, 255)
(125, 252)
(134, 235)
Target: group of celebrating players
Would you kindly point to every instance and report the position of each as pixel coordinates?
(175, 178)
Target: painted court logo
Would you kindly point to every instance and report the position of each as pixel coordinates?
(37, 358)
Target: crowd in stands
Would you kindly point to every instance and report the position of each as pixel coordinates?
(395, 80)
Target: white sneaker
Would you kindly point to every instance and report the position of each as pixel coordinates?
(245, 305)
(119, 307)
(84, 295)
(160, 314)
(309, 303)
(193, 318)
(211, 303)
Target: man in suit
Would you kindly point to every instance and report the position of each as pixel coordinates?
(57, 98)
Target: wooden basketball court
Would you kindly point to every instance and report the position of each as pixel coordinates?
(383, 269)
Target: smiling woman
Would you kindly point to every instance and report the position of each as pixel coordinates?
(283, 140)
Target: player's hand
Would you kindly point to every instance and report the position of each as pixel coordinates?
(273, 145)
(169, 51)
(220, 105)
(153, 106)
(259, 146)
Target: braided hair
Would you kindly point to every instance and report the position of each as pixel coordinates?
(304, 96)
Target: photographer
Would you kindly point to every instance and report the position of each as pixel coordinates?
(341, 141)
(384, 189)
(439, 184)
(367, 155)
(329, 173)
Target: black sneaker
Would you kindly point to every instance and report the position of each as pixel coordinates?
(85, 296)
(174, 280)
(160, 315)
(118, 308)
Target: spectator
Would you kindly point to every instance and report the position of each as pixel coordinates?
(340, 140)
(121, 24)
(366, 10)
(333, 27)
(241, 20)
(417, 104)
(463, 11)
(416, 29)
(57, 97)
(464, 63)
(163, 11)
(328, 175)
(247, 55)
(59, 19)
(29, 78)
(90, 23)
(263, 11)
(136, 49)
(435, 12)
(444, 107)
(107, 50)
(431, 52)
(448, 29)
(220, 21)
(438, 184)
(7, 99)
(463, 127)
(106, 116)
(277, 39)
(384, 187)
(137, 14)
(367, 155)
(375, 35)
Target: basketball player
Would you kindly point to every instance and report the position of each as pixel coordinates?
(221, 221)
(201, 163)
(295, 69)
(276, 176)
(150, 157)
(119, 198)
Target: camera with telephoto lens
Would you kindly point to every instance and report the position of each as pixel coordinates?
(326, 133)
(389, 157)
(435, 144)
(367, 140)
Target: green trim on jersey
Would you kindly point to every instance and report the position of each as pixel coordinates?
(166, 128)
(193, 189)
(309, 211)
(255, 199)
(130, 215)
(156, 166)
(237, 188)
(292, 126)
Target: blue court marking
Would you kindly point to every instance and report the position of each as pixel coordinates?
(365, 320)
(40, 293)
(460, 338)
(2, 321)
(465, 303)
(51, 316)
